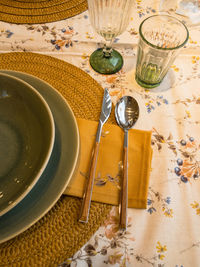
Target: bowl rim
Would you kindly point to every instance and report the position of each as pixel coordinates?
(50, 146)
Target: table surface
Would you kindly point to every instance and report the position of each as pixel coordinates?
(167, 233)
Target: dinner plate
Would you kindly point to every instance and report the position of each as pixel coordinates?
(60, 168)
(26, 139)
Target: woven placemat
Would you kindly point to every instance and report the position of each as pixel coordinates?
(58, 235)
(39, 11)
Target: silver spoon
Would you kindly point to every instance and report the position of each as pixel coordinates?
(126, 114)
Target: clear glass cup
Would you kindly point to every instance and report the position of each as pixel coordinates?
(160, 40)
(109, 18)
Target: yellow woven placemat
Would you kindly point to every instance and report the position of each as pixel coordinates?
(39, 11)
(58, 235)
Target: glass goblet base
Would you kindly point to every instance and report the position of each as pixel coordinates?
(106, 64)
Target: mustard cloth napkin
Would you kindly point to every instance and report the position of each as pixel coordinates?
(109, 166)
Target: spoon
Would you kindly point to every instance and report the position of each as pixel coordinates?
(126, 114)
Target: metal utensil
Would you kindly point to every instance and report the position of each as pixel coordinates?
(126, 114)
(105, 113)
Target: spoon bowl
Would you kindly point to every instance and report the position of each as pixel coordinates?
(126, 114)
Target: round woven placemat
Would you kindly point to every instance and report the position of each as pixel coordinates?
(58, 235)
(39, 11)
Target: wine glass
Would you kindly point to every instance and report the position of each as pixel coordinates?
(109, 18)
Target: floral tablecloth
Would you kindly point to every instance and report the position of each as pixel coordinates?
(167, 233)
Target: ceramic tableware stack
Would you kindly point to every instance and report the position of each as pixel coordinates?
(39, 142)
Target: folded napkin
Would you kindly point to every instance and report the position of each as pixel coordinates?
(109, 165)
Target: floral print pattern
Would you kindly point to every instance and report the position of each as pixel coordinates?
(161, 250)
(188, 165)
(196, 206)
(109, 243)
(170, 111)
(155, 200)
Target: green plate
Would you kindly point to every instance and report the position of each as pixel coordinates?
(60, 168)
(26, 139)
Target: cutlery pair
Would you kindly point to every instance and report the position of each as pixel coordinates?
(126, 113)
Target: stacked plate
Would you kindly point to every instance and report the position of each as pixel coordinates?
(39, 142)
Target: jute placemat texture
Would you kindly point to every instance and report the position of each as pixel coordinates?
(58, 235)
(39, 11)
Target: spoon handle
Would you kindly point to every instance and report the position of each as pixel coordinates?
(89, 186)
(124, 185)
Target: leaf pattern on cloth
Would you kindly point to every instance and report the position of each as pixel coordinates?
(171, 111)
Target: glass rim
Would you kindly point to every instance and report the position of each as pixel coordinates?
(164, 48)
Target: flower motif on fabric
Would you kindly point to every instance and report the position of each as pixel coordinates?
(193, 73)
(157, 259)
(188, 163)
(133, 31)
(161, 249)
(195, 59)
(192, 41)
(195, 205)
(103, 180)
(114, 82)
(118, 240)
(58, 38)
(175, 68)
(153, 102)
(143, 11)
(63, 39)
(158, 140)
(112, 243)
(89, 36)
(6, 33)
(188, 102)
(84, 64)
(155, 201)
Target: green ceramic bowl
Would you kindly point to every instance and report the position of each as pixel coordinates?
(26, 139)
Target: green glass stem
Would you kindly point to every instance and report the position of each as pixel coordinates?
(107, 50)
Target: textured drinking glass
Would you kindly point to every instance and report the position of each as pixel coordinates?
(109, 18)
(160, 40)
